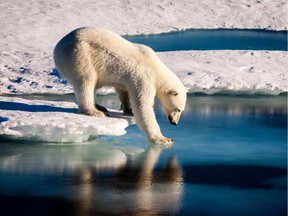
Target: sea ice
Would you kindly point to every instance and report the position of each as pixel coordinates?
(230, 71)
(27, 42)
(54, 121)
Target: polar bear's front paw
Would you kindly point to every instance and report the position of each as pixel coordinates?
(161, 140)
(95, 113)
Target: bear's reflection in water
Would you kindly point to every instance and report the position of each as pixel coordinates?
(136, 188)
(94, 179)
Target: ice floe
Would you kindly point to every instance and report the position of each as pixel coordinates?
(51, 121)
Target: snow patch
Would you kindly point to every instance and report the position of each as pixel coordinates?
(228, 71)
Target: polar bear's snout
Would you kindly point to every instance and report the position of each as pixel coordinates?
(172, 121)
(174, 117)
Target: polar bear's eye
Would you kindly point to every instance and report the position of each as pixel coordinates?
(178, 110)
(173, 93)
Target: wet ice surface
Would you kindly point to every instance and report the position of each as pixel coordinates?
(55, 121)
(229, 158)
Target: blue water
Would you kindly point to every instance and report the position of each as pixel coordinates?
(215, 40)
(229, 158)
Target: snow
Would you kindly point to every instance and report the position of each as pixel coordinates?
(244, 72)
(201, 71)
(30, 30)
(53, 121)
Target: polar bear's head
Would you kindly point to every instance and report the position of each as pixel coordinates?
(173, 102)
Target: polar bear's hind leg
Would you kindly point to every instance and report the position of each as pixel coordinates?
(85, 95)
(125, 102)
(102, 109)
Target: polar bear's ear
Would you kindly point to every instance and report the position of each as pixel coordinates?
(172, 92)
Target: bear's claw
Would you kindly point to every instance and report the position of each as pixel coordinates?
(162, 140)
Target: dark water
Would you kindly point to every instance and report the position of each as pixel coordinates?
(215, 40)
(229, 158)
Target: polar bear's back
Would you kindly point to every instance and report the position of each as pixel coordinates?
(104, 41)
(97, 38)
(117, 45)
(103, 38)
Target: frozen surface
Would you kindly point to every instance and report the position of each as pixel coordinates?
(28, 39)
(52, 121)
(245, 72)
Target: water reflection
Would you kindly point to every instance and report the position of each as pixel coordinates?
(267, 110)
(236, 106)
(34, 158)
(135, 188)
(98, 179)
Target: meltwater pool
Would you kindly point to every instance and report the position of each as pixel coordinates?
(215, 39)
(229, 158)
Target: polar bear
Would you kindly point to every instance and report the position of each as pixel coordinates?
(90, 58)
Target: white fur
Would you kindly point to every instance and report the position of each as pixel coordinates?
(91, 58)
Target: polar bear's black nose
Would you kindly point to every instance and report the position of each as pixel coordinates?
(171, 120)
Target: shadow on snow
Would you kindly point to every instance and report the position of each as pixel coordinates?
(34, 108)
